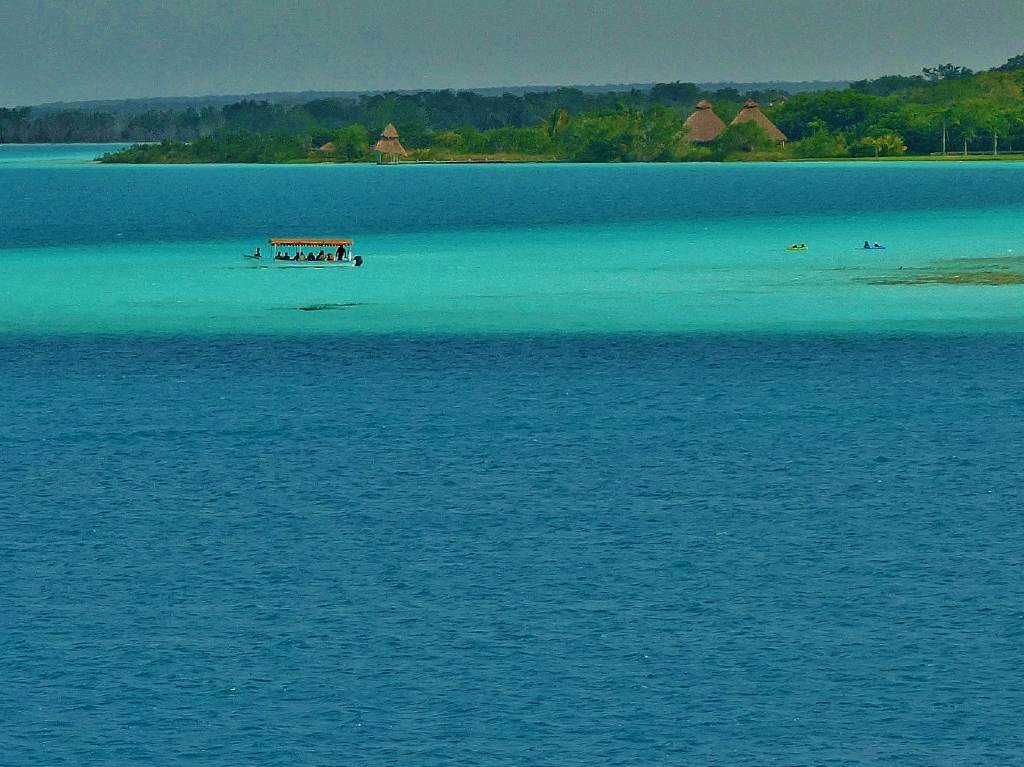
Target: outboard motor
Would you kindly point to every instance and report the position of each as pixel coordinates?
(357, 260)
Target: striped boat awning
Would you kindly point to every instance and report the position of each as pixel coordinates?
(312, 242)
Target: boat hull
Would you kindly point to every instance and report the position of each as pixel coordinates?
(311, 264)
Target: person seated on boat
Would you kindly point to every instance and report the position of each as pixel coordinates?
(867, 245)
(281, 256)
(256, 254)
(301, 256)
(330, 257)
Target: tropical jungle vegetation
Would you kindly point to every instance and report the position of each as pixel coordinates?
(944, 109)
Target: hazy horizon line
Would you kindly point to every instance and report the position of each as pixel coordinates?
(457, 89)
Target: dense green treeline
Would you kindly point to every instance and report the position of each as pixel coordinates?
(944, 108)
(975, 112)
(23, 125)
(621, 134)
(417, 115)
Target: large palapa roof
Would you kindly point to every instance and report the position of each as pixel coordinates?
(388, 142)
(751, 111)
(704, 125)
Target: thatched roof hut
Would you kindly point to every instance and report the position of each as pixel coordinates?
(327, 148)
(704, 125)
(751, 111)
(388, 142)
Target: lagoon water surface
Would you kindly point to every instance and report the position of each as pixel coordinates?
(457, 249)
(581, 468)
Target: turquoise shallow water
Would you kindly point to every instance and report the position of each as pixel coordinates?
(584, 468)
(532, 249)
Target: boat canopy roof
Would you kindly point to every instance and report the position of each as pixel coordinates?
(313, 242)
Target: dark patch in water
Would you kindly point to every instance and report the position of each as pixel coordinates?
(951, 278)
(997, 270)
(325, 307)
(995, 262)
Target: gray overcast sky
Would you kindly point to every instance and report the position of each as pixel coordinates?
(66, 50)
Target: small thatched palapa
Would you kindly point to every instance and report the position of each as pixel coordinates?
(704, 125)
(751, 111)
(388, 142)
(328, 147)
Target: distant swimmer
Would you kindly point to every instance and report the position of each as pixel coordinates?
(797, 246)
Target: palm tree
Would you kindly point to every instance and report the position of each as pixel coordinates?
(969, 134)
(557, 122)
(948, 116)
(998, 123)
(966, 121)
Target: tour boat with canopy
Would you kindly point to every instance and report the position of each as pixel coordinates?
(310, 251)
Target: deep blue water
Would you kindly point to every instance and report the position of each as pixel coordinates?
(60, 205)
(557, 550)
(437, 527)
